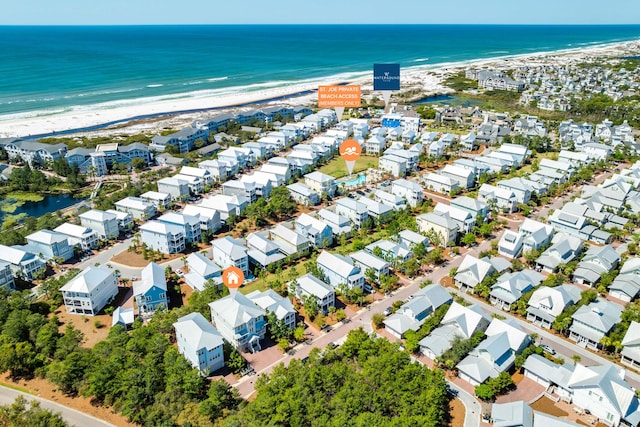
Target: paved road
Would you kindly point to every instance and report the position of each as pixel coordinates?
(472, 407)
(71, 416)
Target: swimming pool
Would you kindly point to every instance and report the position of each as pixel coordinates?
(359, 180)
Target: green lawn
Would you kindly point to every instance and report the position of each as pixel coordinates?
(262, 284)
(337, 167)
(549, 155)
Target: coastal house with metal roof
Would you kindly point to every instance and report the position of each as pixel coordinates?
(440, 183)
(201, 270)
(339, 224)
(190, 225)
(104, 223)
(49, 245)
(220, 170)
(464, 177)
(225, 204)
(240, 321)
(564, 248)
(496, 354)
(177, 188)
(441, 226)
(535, 234)
(317, 231)
(411, 191)
(472, 271)
(137, 207)
(321, 183)
(592, 322)
(289, 241)
(270, 301)
(81, 237)
(303, 194)
(630, 354)
(184, 139)
(23, 264)
(150, 292)
(462, 218)
(310, 286)
(209, 218)
(200, 343)
(367, 261)
(164, 237)
(123, 219)
(357, 212)
(597, 261)
(412, 314)
(160, 200)
(509, 287)
(547, 303)
(228, 252)
(510, 244)
(91, 290)
(459, 321)
(262, 251)
(340, 270)
(502, 199)
(626, 286)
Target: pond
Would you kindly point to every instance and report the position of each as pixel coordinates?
(50, 203)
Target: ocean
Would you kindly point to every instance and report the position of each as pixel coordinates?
(49, 70)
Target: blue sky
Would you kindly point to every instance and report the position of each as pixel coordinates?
(125, 12)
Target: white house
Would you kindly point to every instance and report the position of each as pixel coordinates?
(546, 303)
(200, 343)
(239, 320)
(137, 207)
(24, 264)
(163, 237)
(459, 321)
(104, 223)
(631, 346)
(90, 291)
(356, 212)
(440, 229)
(228, 252)
(340, 270)
(412, 314)
(592, 322)
(309, 285)
(270, 301)
(511, 286)
(409, 190)
(81, 237)
(201, 270)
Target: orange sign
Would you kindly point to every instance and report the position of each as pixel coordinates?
(233, 277)
(339, 96)
(350, 150)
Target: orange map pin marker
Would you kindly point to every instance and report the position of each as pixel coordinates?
(350, 150)
(233, 278)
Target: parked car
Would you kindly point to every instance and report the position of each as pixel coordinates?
(548, 349)
(387, 311)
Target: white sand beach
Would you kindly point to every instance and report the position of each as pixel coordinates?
(427, 78)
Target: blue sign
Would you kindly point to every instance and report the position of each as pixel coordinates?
(386, 76)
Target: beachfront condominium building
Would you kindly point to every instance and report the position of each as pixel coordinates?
(200, 343)
(50, 245)
(163, 237)
(33, 152)
(184, 139)
(137, 207)
(23, 264)
(103, 223)
(90, 291)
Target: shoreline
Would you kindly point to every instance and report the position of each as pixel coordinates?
(179, 113)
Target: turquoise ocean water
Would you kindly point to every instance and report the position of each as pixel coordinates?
(47, 70)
